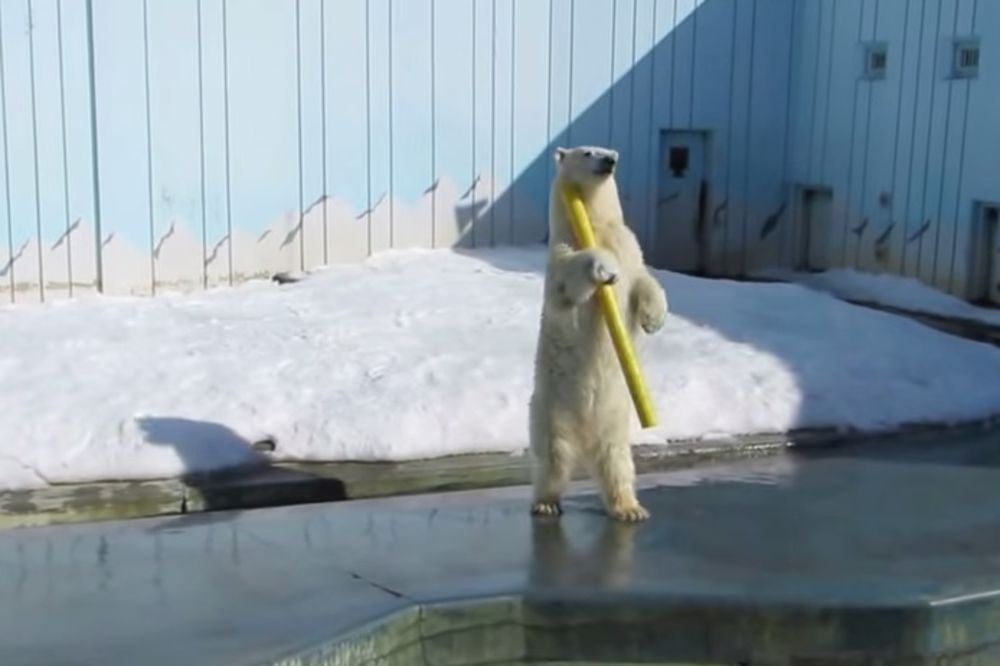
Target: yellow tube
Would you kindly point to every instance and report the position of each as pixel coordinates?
(612, 316)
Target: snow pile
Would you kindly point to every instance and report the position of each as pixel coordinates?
(416, 354)
(890, 290)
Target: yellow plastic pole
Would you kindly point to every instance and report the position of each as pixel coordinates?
(612, 316)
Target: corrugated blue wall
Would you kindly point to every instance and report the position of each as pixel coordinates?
(216, 140)
(239, 138)
(908, 155)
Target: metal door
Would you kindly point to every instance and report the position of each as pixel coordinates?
(814, 229)
(679, 241)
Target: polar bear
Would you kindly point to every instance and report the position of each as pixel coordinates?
(580, 406)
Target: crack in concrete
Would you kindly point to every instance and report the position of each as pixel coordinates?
(378, 586)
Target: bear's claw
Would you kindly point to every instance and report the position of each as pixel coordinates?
(542, 508)
(604, 269)
(632, 514)
(651, 307)
(603, 276)
(652, 322)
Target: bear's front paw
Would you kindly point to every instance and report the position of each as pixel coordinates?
(546, 508)
(604, 268)
(629, 513)
(649, 305)
(652, 319)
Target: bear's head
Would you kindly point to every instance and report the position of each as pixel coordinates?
(586, 166)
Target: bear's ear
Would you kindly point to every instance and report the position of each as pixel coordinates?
(560, 154)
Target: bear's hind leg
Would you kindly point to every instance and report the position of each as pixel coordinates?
(554, 459)
(612, 465)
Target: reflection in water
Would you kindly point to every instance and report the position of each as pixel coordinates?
(210, 540)
(307, 534)
(104, 571)
(77, 540)
(158, 568)
(234, 545)
(370, 529)
(326, 525)
(22, 572)
(605, 564)
(48, 568)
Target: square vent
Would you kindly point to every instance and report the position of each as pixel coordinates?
(966, 54)
(876, 60)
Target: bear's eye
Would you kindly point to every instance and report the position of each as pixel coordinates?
(588, 153)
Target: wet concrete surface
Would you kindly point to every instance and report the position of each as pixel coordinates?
(890, 550)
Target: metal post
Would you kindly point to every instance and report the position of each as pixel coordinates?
(95, 173)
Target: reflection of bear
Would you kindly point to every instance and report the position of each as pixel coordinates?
(606, 564)
(581, 403)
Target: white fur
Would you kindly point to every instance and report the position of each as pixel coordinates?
(581, 408)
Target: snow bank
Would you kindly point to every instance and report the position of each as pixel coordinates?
(891, 290)
(415, 354)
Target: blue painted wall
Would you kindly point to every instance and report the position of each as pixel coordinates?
(908, 155)
(386, 123)
(238, 138)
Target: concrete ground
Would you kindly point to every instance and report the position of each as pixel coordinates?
(884, 554)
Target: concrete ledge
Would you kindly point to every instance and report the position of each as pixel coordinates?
(90, 501)
(522, 630)
(856, 555)
(305, 483)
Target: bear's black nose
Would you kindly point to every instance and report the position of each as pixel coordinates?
(610, 160)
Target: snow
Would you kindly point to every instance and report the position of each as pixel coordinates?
(890, 290)
(420, 353)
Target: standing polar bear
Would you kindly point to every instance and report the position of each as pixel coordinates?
(581, 407)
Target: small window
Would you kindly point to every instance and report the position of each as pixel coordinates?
(876, 60)
(966, 64)
(679, 158)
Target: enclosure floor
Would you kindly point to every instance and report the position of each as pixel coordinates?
(890, 550)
